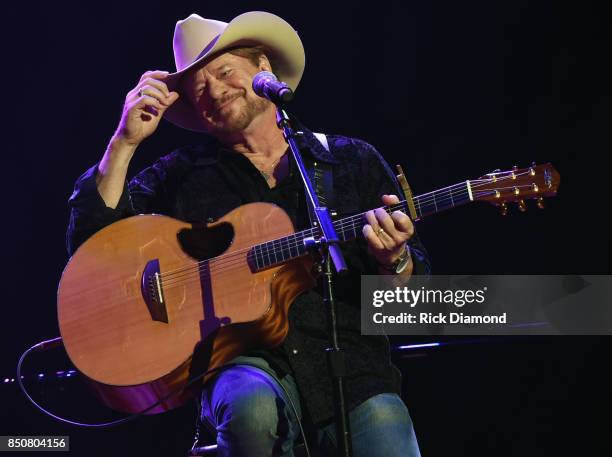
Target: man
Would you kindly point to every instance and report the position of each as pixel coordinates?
(244, 158)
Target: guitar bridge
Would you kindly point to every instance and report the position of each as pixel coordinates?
(153, 292)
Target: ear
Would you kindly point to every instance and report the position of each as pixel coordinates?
(264, 63)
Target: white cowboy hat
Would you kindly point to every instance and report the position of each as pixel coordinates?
(196, 38)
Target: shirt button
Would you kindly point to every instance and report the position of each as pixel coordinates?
(295, 351)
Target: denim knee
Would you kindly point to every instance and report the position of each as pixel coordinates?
(254, 408)
(249, 412)
(383, 410)
(380, 427)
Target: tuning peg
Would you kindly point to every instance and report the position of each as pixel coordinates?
(493, 173)
(540, 203)
(503, 209)
(522, 206)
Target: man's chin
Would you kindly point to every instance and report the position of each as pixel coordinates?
(229, 125)
(232, 119)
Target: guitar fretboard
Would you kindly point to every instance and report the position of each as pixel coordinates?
(274, 252)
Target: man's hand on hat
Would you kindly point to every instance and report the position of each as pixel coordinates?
(144, 107)
(387, 234)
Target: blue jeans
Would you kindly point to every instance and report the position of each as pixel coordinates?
(252, 417)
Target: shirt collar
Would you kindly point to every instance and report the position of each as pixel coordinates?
(209, 152)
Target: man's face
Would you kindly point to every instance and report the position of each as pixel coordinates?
(221, 93)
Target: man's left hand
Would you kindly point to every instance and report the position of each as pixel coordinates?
(387, 234)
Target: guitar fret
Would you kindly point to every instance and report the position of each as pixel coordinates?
(256, 256)
(281, 249)
(274, 251)
(268, 253)
(292, 242)
(295, 242)
(284, 245)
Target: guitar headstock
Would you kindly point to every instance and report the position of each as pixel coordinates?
(517, 185)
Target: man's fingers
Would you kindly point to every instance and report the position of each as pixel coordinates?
(153, 74)
(380, 232)
(151, 84)
(387, 223)
(372, 238)
(149, 101)
(159, 85)
(371, 219)
(390, 199)
(403, 223)
(149, 97)
(153, 92)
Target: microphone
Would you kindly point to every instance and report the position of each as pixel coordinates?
(267, 85)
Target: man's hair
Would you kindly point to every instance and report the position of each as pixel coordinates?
(252, 53)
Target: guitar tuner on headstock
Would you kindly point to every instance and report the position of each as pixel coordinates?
(517, 185)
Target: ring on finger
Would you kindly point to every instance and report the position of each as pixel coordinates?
(380, 231)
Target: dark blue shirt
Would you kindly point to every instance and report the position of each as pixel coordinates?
(202, 183)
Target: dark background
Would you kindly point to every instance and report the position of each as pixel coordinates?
(450, 89)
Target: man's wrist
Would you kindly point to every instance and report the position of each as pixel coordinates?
(400, 264)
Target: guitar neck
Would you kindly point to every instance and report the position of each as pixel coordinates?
(281, 250)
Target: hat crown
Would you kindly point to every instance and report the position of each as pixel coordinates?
(193, 36)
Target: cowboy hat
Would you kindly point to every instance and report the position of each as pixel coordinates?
(196, 39)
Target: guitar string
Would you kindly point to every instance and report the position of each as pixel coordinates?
(195, 271)
(266, 259)
(288, 243)
(344, 223)
(204, 266)
(419, 200)
(280, 245)
(350, 221)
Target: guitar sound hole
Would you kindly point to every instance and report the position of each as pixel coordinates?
(202, 242)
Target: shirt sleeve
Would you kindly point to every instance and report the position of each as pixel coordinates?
(378, 181)
(145, 193)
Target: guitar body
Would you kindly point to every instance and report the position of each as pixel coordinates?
(140, 305)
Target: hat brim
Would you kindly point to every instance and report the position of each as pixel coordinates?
(281, 44)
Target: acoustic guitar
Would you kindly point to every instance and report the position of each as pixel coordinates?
(141, 295)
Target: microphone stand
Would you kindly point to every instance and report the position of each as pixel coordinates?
(327, 244)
